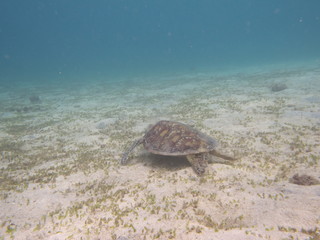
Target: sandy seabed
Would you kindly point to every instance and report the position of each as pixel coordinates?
(60, 177)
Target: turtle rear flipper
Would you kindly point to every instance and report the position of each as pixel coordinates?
(199, 162)
(220, 155)
(125, 155)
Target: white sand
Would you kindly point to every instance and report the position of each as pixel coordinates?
(60, 177)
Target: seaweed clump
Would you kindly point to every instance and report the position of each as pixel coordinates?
(34, 99)
(304, 180)
(277, 87)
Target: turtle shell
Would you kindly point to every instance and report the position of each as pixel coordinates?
(175, 139)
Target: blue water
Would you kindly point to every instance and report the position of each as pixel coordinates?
(76, 40)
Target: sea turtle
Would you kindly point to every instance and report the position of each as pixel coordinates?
(177, 139)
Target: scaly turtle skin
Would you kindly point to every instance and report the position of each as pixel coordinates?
(177, 139)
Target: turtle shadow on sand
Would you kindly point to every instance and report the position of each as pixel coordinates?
(168, 163)
(171, 163)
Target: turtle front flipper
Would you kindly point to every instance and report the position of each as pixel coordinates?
(125, 155)
(199, 162)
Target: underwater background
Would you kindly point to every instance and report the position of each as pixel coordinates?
(88, 40)
(81, 81)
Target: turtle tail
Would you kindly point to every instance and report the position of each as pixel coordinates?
(125, 155)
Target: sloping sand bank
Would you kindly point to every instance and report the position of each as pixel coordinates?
(60, 177)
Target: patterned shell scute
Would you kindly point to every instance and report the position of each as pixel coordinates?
(174, 139)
